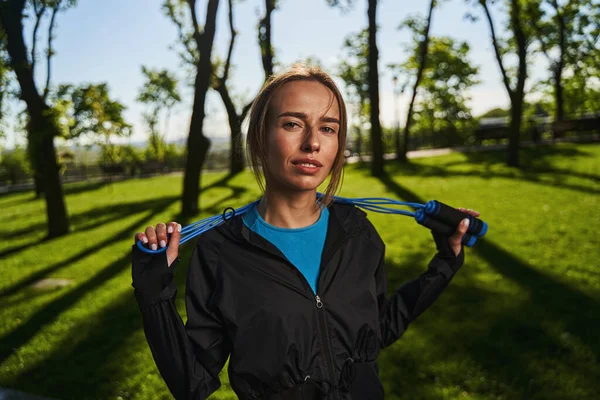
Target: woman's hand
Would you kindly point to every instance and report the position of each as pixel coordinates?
(153, 238)
(455, 240)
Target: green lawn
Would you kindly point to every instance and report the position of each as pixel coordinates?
(521, 320)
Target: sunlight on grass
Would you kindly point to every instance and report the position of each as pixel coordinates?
(520, 319)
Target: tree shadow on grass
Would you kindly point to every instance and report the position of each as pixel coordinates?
(534, 168)
(23, 333)
(484, 343)
(115, 212)
(92, 218)
(82, 187)
(15, 202)
(82, 365)
(508, 343)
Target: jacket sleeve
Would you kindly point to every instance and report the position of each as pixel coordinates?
(190, 357)
(412, 298)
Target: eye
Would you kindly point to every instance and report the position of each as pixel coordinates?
(291, 125)
(328, 129)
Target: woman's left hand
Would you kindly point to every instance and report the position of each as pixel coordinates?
(455, 240)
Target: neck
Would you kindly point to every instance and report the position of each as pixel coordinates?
(289, 209)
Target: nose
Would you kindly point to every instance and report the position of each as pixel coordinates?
(311, 141)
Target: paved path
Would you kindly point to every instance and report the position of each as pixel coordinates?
(9, 394)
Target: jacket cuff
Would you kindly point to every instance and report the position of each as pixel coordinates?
(146, 301)
(152, 278)
(455, 262)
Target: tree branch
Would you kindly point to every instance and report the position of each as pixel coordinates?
(192, 54)
(521, 46)
(231, 43)
(50, 51)
(496, 48)
(11, 15)
(197, 34)
(541, 36)
(39, 13)
(264, 38)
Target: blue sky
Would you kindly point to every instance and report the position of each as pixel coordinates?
(109, 41)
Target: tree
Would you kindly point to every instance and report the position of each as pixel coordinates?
(566, 33)
(373, 81)
(376, 145)
(445, 77)
(354, 71)
(515, 85)
(159, 93)
(235, 119)
(199, 43)
(421, 38)
(221, 73)
(43, 125)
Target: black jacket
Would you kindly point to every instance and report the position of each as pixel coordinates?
(246, 301)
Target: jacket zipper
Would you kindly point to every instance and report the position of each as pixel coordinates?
(325, 339)
(324, 331)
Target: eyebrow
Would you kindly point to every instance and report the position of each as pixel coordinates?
(304, 116)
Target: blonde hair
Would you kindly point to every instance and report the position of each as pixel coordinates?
(256, 140)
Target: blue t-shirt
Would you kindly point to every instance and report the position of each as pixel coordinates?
(303, 247)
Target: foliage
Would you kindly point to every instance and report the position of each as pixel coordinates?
(88, 111)
(177, 11)
(567, 34)
(442, 95)
(495, 113)
(4, 82)
(14, 165)
(159, 93)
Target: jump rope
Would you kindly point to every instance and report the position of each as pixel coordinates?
(435, 215)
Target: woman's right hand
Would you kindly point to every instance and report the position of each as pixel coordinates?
(155, 238)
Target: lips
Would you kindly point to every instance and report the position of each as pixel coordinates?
(308, 162)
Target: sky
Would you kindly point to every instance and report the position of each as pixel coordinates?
(109, 41)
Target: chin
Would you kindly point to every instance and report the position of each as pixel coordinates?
(304, 183)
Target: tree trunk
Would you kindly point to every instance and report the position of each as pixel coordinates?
(359, 144)
(58, 223)
(376, 145)
(516, 115)
(422, 62)
(42, 127)
(236, 159)
(33, 154)
(512, 157)
(399, 147)
(558, 89)
(197, 143)
(264, 39)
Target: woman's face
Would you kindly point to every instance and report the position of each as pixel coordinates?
(302, 135)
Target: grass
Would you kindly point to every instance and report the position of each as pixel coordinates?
(519, 321)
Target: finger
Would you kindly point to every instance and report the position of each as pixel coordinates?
(140, 237)
(173, 250)
(456, 238)
(161, 235)
(470, 212)
(152, 241)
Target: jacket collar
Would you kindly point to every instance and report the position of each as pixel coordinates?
(344, 221)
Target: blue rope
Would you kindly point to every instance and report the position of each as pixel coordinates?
(376, 204)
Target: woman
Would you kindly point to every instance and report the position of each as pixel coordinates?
(295, 290)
